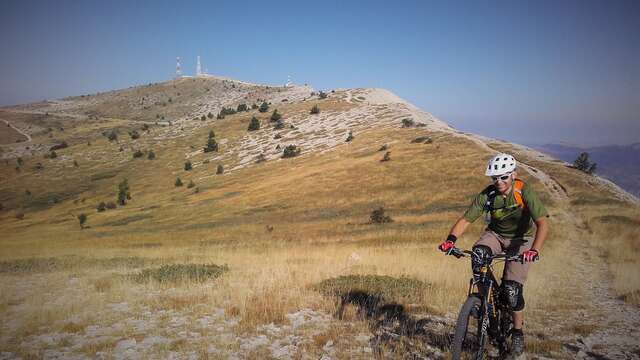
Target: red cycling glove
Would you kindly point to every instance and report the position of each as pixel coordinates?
(449, 244)
(530, 256)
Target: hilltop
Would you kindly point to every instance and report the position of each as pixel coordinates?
(277, 226)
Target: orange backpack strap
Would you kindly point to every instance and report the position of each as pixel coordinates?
(517, 193)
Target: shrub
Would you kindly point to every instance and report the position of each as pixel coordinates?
(278, 136)
(112, 136)
(178, 182)
(134, 134)
(406, 123)
(203, 118)
(290, 151)
(350, 137)
(254, 106)
(53, 155)
(387, 156)
(264, 107)
(138, 154)
(315, 109)
(261, 158)
(279, 125)
(242, 107)
(254, 124)
(583, 163)
(211, 134)
(383, 147)
(220, 169)
(392, 289)
(275, 116)
(187, 165)
(111, 205)
(212, 145)
(82, 218)
(123, 192)
(210, 115)
(176, 273)
(378, 217)
(422, 140)
(322, 95)
(75, 163)
(145, 127)
(62, 145)
(101, 207)
(191, 184)
(20, 215)
(151, 155)
(220, 116)
(19, 161)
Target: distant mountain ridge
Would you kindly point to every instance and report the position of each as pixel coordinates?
(618, 163)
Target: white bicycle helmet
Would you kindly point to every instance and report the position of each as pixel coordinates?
(501, 164)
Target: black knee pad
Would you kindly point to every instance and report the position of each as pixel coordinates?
(481, 253)
(512, 295)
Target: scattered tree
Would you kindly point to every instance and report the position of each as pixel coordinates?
(583, 163)
(264, 107)
(20, 161)
(151, 155)
(178, 182)
(210, 115)
(275, 116)
(138, 154)
(187, 165)
(383, 147)
(290, 151)
(315, 109)
(112, 136)
(279, 125)
(406, 123)
(220, 169)
(111, 205)
(75, 163)
(82, 218)
(254, 124)
(123, 192)
(101, 207)
(134, 134)
(212, 145)
(203, 118)
(211, 134)
(322, 95)
(242, 107)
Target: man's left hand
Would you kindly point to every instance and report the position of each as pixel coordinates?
(530, 256)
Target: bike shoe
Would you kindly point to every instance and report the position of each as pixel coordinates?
(517, 345)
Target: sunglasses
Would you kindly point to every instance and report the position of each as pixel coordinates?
(503, 177)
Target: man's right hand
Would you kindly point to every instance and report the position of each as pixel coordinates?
(446, 246)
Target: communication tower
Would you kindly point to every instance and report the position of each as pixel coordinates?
(178, 67)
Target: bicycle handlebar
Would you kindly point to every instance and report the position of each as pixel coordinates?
(457, 252)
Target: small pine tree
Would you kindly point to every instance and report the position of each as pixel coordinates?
(210, 115)
(203, 118)
(82, 218)
(187, 165)
(242, 107)
(264, 107)
(151, 155)
(134, 134)
(53, 155)
(211, 134)
(112, 136)
(254, 124)
(275, 116)
(290, 151)
(315, 109)
(178, 182)
(123, 192)
(378, 217)
(101, 207)
(212, 145)
(220, 169)
(583, 163)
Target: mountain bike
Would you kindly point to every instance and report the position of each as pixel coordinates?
(483, 317)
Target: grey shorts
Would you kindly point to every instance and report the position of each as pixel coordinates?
(513, 270)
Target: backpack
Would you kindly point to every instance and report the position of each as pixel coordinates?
(518, 185)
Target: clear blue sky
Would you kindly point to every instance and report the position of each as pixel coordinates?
(524, 71)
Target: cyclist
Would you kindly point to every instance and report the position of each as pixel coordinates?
(511, 208)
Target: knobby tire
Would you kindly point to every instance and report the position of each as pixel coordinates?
(469, 340)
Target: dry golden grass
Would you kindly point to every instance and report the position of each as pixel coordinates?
(317, 207)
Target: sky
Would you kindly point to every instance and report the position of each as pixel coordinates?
(531, 72)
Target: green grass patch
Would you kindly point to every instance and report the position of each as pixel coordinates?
(176, 273)
(127, 220)
(391, 288)
(103, 175)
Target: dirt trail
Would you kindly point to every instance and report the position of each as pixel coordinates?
(18, 130)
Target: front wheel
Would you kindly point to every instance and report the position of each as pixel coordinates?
(469, 340)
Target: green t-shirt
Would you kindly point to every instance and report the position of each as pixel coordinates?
(507, 219)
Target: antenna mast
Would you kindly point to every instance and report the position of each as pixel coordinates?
(178, 67)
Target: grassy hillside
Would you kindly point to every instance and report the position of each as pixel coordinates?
(278, 227)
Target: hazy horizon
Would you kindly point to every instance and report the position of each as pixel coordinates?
(531, 73)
